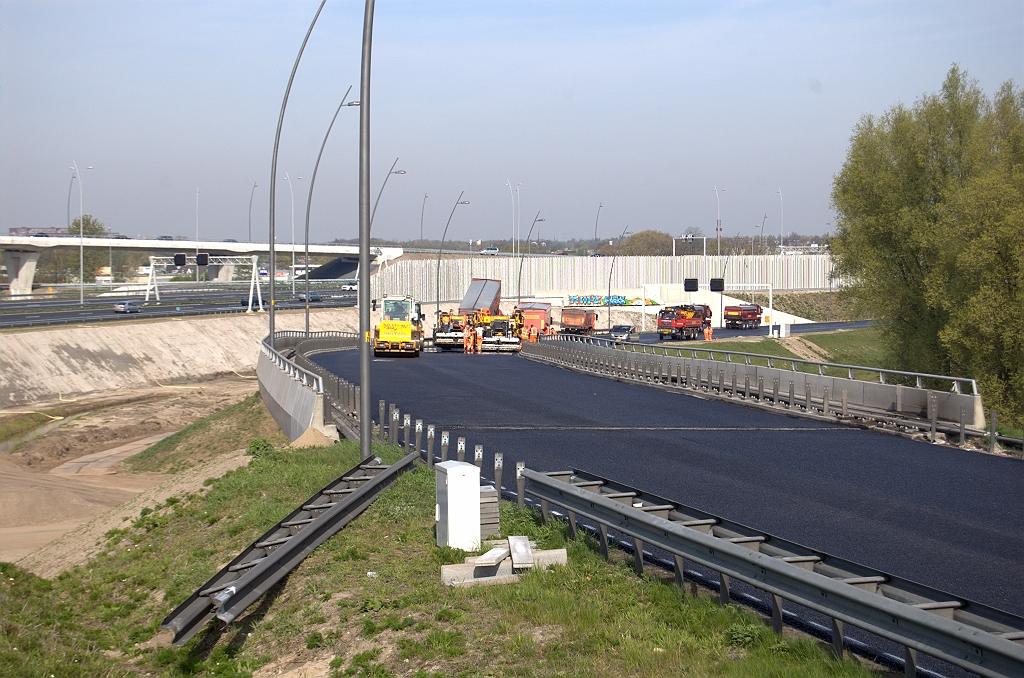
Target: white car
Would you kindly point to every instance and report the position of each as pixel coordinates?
(489, 250)
(350, 285)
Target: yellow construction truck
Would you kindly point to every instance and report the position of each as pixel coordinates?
(400, 331)
(503, 333)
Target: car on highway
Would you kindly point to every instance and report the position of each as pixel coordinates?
(350, 285)
(165, 237)
(127, 307)
(490, 251)
(255, 304)
(625, 333)
(313, 297)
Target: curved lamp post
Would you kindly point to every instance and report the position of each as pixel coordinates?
(512, 197)
(437, 287)
(251, 194)
(599, 206)
(519, 284)
(273, 172)
(718, 224)
(309, 198)
(782, 222)
(81, 232)
(381, 191)
(611, 269)
(422, 210)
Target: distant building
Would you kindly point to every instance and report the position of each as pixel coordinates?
(23, 231)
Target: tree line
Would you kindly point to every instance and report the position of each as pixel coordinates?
(930, 225)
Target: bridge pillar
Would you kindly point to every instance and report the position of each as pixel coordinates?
(21, 270)
(221, 272)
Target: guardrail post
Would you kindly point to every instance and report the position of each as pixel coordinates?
(383, 421)
(792, 394)
(419, 434)
(460, 449)
(680, 575)
(993, 435)
(845, 412)
(775, 392)
(899, 398)
(478, 456)
(746, 386)
(807, 397)
(963, 415)
(825, 401)
(723, 589)
(430, 446)
(444, 445)
(544, 511)
(406, 425)
(638, 557)
(760, 389)
(838, 644)
(355, 401)
(933, 410)
(520, 484)
(603, 530)
(732, 393)
(499, 462)
(393, 428)
(777, 614)
(909, 662)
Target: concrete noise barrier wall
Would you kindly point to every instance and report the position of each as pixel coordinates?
(879, 397)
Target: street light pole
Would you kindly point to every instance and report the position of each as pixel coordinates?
(365, 395)
(381, 191)
(611, 269)
(273, 172)
(422, 210)
(197, 234)
(782, 222)
(309, 198)
(519, 218)
(250, 209)
(512, 197)
(519, 284)
(81, 233)
(437, 286)
(292, 191)
(598, 219)
(718, 224)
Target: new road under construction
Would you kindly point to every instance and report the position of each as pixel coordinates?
(868, 532)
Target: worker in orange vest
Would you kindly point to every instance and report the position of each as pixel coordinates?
(533, 333)
(467, 337)
(707, 332)
(479, 338)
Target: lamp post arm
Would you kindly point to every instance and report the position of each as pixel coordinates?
(381, 191)
(437, 287)
(273, 165)
(519, 283)
(309, 198)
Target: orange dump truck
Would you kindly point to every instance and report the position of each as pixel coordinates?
(578, 321)
(742, 317)
(536, 318)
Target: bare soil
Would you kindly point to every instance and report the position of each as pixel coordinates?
(54, 510)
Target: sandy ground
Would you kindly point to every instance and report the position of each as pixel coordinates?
(68, 478)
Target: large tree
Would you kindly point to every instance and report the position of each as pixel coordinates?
(930, 226)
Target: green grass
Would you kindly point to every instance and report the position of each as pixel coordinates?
(226, 431)
(851, 347)
(16, 425)
(590, 618)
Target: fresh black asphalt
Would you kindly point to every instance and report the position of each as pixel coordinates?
(941, 516)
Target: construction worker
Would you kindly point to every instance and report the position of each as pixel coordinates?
(479, 338)
(707, 332)
(533, 333)
(467, 337)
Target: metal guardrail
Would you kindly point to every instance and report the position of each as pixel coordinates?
(931, 411)
(980, 639)
(268, 559)
(310, 379)
(655, 349)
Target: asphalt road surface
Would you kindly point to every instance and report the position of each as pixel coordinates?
(944, 517)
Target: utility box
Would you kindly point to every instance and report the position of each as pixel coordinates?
(457, 511)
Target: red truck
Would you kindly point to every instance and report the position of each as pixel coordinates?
(742, 317)
(682, 322)
(578, 321)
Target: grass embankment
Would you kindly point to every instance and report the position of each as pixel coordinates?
(816, 306)
(226, 431)
(589, 618)
(15, 425)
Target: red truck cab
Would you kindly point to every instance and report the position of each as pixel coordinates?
(682, 322)
(578, 321)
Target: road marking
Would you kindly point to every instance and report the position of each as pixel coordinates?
(648, 428)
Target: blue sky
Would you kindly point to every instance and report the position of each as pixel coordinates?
(641, 106)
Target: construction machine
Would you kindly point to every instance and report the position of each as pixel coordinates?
(400, 331)
(448, 331)
(502, 333)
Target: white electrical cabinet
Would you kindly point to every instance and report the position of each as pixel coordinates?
(457, 511)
